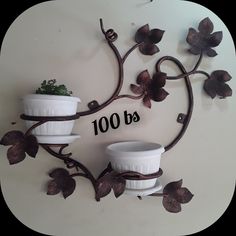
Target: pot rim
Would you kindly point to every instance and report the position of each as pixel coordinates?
(51, 97)
(134, 148)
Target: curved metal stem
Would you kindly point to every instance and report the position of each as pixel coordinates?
(202, 72)
(188, 74)
(193, 71)
(198, 62)
(129, 51)
(79, 174)
(34, 126)
(120, 76)
(133, 175)
(158, 194)
(129, 96)
(190, 99)
(110, 37)
(49, 118)
(64, 158)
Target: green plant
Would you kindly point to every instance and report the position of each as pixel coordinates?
(49, 87)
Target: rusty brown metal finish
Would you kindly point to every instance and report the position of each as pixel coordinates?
(133, 175)
(111, 36)
(49, 118)
(188, 116)
(67, 159)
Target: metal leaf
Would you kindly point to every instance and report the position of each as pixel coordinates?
(142, 33)
(171, 204)
(103, 189)
(204, 39)
(68, 187)
(62, 181)
(104, 186)
(159, 95)
(210, 87)
(118, 186)
(224, 90)
(110, 181)
(192, 37)
(174, 195)
(215, 39)
(147, 101)
(215, 85)
(183, 195)
(206, 26)
(194, 50)
(172, 187)
(136, 89)
(156, 35)
(53, 188)
(211, 52)
(221, 75)
(31, 145)
(59, 172)
(144, 78)
(105, 171)
(159, 79)
(148, 49)
(12, 137)
(16, 153)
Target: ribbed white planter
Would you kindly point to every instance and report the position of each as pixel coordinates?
(143, 157)
(50, 105)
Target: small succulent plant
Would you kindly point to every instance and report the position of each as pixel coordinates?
(49, 87)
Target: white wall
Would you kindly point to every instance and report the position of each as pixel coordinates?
(62, 40)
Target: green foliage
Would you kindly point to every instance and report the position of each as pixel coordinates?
(49, 87)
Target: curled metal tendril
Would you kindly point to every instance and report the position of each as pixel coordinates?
(70, 165)
(111, 35)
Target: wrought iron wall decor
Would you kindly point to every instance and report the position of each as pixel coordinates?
(149, 89)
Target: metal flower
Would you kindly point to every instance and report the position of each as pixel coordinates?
(175, 195)
(147, 39)
(216, 84)
(151, 88)
(204, 40)
(21, 144)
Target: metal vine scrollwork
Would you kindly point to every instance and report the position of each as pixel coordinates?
(149, 89)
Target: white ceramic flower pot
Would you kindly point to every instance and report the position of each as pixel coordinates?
(143, 157)
(50, 105)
